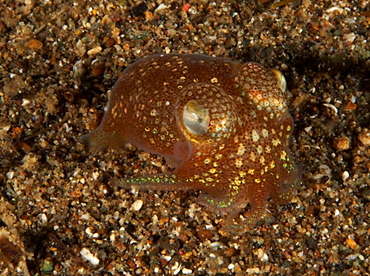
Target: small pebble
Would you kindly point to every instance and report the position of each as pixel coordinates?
(311, 243)
(352, 243)
(95, 50)
(186, 271)
(136, 206)
(364, 137)
(345, 175)
(87, 255)
(204, 234)
(139, 10)
(10, 174)
(98, 68)
(161, 7)
(34, 44)
(47, 267)
(341, 143)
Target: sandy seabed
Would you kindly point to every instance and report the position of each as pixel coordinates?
(58, 214)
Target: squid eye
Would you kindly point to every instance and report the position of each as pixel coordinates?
(280, 79)
(196, 118)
